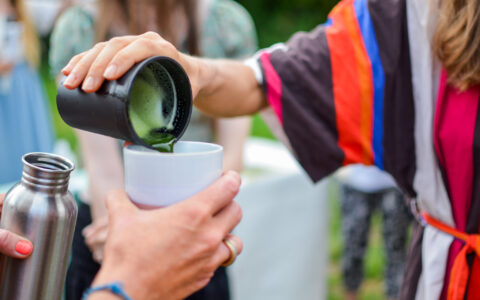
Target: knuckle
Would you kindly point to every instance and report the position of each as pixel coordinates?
(208, 269)
(116, 40)
(200, 284)
(168, 47)
(5, 237)
(77, 57)
(122, 58)
(198, 214)
(89, 243)
(237, 212)
(100, 45)
(95, 70)
(83, 66)
(232, 185)
(112, 197)
(203, 211)
(163, 46)
(238, 244)
(145, 42)
(212, 265)
(212, 240)
(189, 215)
(151, 35)
(142, 40)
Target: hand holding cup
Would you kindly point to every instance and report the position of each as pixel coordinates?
(171, 252)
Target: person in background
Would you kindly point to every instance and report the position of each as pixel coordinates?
(362, 190)
(166, 253)
(211, 28)
(25, 123)
(44, 13)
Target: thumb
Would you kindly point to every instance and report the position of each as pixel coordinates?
(13, 245)
(117, 201)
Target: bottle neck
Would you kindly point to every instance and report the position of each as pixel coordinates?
(47, 172)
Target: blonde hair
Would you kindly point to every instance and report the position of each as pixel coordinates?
(30, 38)
(456, 41)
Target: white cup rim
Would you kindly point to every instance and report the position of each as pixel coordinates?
(215, 148)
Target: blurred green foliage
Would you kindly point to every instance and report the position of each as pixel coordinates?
(277, 20)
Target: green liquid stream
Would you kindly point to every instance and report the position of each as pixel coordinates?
(161, 141)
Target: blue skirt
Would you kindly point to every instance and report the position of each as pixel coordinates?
(25, 122)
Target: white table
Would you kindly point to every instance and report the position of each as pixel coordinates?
(284, 229)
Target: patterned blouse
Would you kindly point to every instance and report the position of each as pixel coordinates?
(227, 32)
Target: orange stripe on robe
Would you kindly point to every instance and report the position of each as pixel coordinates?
(352, 85)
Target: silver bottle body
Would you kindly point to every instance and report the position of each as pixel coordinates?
(40, 208)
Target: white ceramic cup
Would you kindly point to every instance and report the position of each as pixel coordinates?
(156, 179)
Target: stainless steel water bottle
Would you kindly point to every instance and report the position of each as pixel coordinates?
(40, 208)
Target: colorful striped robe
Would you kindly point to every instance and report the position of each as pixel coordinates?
(362, 88)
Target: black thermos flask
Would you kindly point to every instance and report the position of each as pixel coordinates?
(109, 110)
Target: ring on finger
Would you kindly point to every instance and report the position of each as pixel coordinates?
(233, 253)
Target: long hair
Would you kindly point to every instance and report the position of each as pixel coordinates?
(134, 12)
(456, 41)
(29, 38)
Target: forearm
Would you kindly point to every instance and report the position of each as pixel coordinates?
(226, 88)
(104, 166)
(231, 134)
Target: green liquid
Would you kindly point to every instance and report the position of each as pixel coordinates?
(152, 107)
(161, 141)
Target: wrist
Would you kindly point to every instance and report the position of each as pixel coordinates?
(109, 275)
(103, 295)
(200, 73)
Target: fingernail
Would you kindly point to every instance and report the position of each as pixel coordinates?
(111, 71)
(89, 83)
(71, 79)
(24, 247)
(66, 67)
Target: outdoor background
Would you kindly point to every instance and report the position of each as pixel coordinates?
(276, 21)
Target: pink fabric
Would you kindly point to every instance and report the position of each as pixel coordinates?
(274, 85)
(453, 139)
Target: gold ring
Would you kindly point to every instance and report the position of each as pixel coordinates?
(233, 253)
